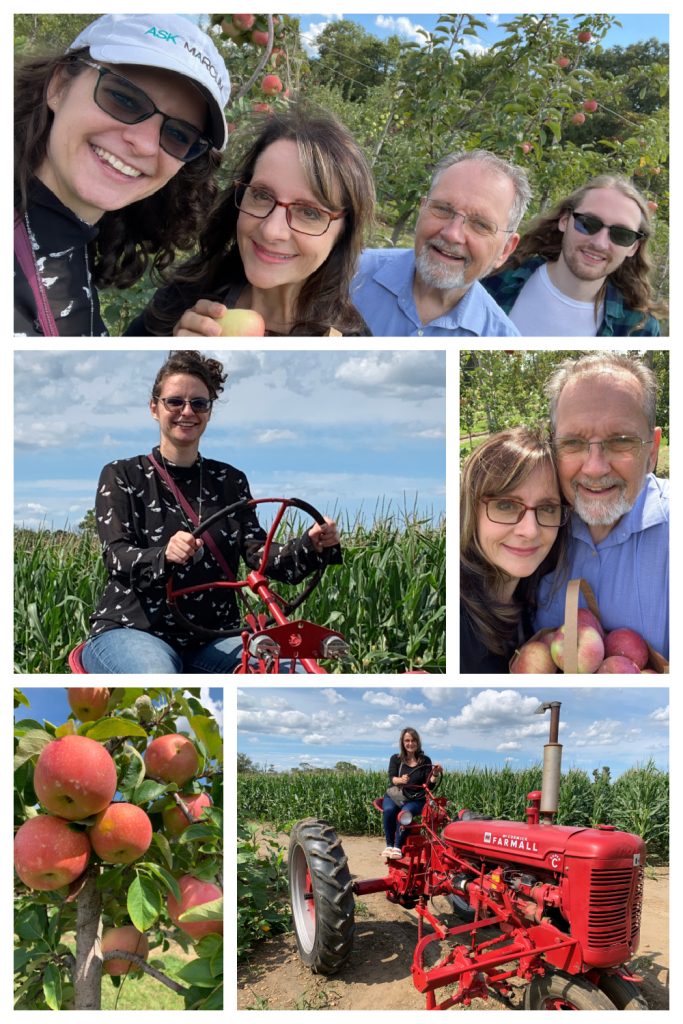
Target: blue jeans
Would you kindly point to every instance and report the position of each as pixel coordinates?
(393, 833)
(131, 651)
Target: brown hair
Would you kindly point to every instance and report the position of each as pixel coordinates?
(544, 238)
(128, 240)
(495, 467)
(209, 371)
(339, 177)
(419, 753)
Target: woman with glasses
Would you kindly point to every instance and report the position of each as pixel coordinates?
(512, 532)
(283, 240)
(116, 145)
(146, 510)
(409, 770)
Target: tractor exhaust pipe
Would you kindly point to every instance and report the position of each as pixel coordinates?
(552, 762)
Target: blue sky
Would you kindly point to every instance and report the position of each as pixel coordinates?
(634, 27)
(51, 704)
(459, 727)
(346, 431)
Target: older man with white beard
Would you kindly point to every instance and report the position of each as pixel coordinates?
(466, 228)
(602, 414)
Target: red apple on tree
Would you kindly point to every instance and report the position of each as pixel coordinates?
(171, 758)
(49, 853)
(244, 21)
(121, 833)
(578, 118)
(174, 818)
(651, 205)
(526, 147)
(271, 85)
(88, 703)
(259, 38)
(584, 36)
(194, 893)
(126, 938)
(242, 323)
(590, 105)
(75, 777)
(229, 29)
(262, 108)
(563, 62)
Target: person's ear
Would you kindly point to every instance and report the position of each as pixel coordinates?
(56, 88)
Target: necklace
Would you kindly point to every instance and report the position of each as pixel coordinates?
(174, 491)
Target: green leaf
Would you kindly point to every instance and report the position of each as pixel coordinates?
(31, 743)
(214, 1001)
(164, 847)
(107, 728)
(131, 770)
(196, 831)
(149, 790)
(52, 987)
(31, 924)
(163, 875)
(210, 945)
(144, 903)
(20, 698)
(197, 972)
(211, 911)
(206, 729)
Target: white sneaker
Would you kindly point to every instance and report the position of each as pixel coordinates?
(387, 851)
(394, 853)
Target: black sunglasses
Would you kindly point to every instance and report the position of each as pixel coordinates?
(587, 224)
(197, 404)
(128, 104)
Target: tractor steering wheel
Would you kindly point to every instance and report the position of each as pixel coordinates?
(173, 593)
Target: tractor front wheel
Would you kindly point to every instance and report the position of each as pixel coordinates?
(624, 994)
(321, 893)
(557, 991)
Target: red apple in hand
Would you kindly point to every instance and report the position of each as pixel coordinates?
(48, 853)
(193, 893)
(242, 323)
(127, 938)
(533, 658)
(171, 758)
(75, 777)
(591, 649)
(629, 644)
(121, 833)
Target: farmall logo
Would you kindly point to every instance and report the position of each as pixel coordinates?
(511, 842)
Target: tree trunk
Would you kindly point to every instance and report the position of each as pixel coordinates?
(88, 973)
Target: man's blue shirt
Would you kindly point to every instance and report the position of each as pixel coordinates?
(382, 291)
(628, 570)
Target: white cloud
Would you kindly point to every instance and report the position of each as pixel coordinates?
(317, 739)
(660, 714)
(388, 700)
(279, 722)
(274, 436)
(334, 696)
(401, 26)
(495, 709)
(414, 375)
(606, 732)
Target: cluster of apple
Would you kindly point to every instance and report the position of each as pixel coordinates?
(252, 29)
(75, 781)
(621, 650)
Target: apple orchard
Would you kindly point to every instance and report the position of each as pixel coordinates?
(118, 848)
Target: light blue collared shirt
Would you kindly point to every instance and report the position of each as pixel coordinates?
(382, 291)
(628, 570)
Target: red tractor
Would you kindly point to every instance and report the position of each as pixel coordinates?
(268, 633)
(554, 908)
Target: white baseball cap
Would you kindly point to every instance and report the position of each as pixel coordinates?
(167, 41)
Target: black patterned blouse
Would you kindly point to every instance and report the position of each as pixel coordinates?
(137, 515)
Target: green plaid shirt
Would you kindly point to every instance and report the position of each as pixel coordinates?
(619, 320)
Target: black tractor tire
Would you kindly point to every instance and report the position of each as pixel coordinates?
(461, 907)
(624, 994)
(321, 893)
(558, 991)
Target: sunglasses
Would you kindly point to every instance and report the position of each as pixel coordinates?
(586, 224)
(196, 404)
(128, 104)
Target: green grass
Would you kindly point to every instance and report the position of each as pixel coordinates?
(145, 993)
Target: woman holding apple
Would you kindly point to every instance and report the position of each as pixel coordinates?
(116, 145)
(513, 531)
(147, 508)
(282, 242)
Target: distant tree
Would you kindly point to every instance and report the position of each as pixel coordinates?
(245, 763)
(357, 60)
(346, 766)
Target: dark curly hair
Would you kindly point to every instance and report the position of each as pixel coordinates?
(150, 231)
(209, 371)
(339, 177)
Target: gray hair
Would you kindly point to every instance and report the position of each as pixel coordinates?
(595, 363)
(516, 175)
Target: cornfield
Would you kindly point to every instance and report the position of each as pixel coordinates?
(388, 597)
(638, 801)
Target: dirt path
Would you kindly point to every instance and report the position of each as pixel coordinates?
(377, 976)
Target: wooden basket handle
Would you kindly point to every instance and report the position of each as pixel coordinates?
(571, 621)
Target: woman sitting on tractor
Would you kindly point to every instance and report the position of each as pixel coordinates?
(513, 530)
(283, 240)
(409, 770)
(147, 508)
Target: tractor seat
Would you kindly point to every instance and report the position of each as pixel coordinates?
(75, 662)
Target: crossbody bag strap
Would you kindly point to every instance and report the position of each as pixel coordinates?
(191, 515)
(24, 253)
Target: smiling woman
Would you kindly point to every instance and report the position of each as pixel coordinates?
(116, 144)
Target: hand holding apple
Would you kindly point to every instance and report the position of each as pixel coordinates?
(207, 319)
